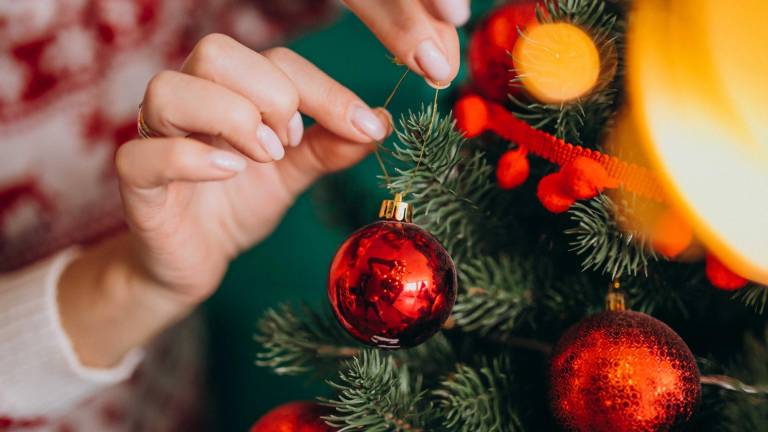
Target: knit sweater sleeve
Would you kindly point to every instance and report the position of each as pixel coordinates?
(39, 370)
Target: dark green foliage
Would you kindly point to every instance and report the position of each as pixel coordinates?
(495, 294)
(753, 295)
(603, 242)
(449, 188)
(477, 399)
(375, 395)
(745, 411)
(296, 342)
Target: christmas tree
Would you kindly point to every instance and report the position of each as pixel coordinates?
(549, 222)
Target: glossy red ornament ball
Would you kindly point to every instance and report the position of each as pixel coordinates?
(490, 47)
(721, 276)
(294, 417)
(392, 284)
(513, 169)
(622, 371)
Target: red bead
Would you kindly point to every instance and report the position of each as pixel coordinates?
(471, 114)
(513, 169)
(392, 285)
(721, 276)
(490, 61)
(294, 417)
(551, 194)
(622, 371)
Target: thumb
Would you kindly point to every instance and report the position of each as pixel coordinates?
(322, 152)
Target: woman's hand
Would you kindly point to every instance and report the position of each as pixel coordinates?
(420, 33)
(233, 157)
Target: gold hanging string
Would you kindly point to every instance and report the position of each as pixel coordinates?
(379, 143)
(423, 143)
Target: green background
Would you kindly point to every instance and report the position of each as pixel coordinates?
(292, 264)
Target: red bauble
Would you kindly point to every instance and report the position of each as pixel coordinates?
(721, 276)
(294, 417)
(392, 284)
(623, 371)
(490, 48)
(513, 169)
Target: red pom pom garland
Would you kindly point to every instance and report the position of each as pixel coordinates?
(513, 169)
(721, 276)
(552, 195)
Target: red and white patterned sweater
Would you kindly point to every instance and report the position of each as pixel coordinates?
(72, 73)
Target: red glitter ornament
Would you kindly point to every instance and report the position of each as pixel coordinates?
(623, 371)
(294, 417)
(513, 169)
(392, 284)
(490, 58)
(721, 276)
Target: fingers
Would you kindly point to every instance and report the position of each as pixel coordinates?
(425, 42)
(322, 152)
(223, 60)
(177, 104)
(455, 12)
(328, 102)
(151, 163)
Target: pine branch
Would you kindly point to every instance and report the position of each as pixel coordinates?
(375, 395)
(754, 296)
(477, 399)
(603, 242)
(295, 343)
(495, 294)
(450, 190)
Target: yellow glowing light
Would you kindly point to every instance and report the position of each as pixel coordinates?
(697, 77)
(556, 62)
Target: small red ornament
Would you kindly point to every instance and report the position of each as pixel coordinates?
(721, 276)
(490, 48)
(294, 417)
(551, 194)
(584, 178)
(392, 284)
(471, 114)
(513, 169)
(622, 371)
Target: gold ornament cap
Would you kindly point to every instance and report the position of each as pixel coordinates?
(614, 300)
(396, 209)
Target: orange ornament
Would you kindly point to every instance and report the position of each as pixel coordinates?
(294, 417)
(584, 178)
(513, 169)
(721, 276)
(622, 371)
(551, 194)
(671, 234)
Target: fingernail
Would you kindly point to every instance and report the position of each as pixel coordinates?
(432, 61)
(438, 85)
(227, 161)
(295, 130)
(366, 122)
(268, 138)
(455, 12)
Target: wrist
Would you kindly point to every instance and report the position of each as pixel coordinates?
(109, 304)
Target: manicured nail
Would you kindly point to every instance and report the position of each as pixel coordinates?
(227, 161)
(268, 138)
(366, 122)
(455, 12)
(295, 130)
(433, 61)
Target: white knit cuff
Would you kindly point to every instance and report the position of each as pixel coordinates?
(39, 369)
